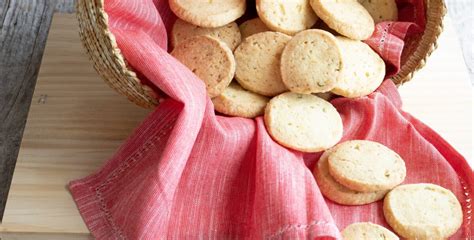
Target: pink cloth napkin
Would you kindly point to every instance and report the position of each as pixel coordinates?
(186, 173)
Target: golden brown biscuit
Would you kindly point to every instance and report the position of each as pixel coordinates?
(210, 14)
(230, 33)
(423, 211)
(337, 192)
(258, 63)
(210, 59)
(238, 102)
(366, 166)
(347, 17)
(311, 62)
(303, 122)
(285, 16)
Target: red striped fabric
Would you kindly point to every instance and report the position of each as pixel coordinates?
(186, 173)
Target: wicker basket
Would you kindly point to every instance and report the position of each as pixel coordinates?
(111, 65)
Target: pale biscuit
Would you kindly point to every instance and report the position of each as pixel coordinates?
(182, 31)
(251, 27)
(347, 17)
(238, 102)
(337, 192)
(210, 14)
(258, 63)
(311, 62)
(285, 16)
(364, 69)
(210, 59)
(423, 211)
(303, 122)
(366, 166)
(381, 10)
(367, 231)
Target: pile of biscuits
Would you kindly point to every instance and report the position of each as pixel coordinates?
(287, 65)
(283, 64)
(359, 172)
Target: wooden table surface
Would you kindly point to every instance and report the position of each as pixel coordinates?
(76, 122)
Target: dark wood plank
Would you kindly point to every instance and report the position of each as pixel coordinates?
(24, 27)
(44, 236)
(65, 6)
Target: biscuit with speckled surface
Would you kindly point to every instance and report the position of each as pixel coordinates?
(285, 16)
(230, 33)
(337, 192)
(381, 10)
(423, 211)
(303, 122)
(347, 17)
(210, 59)
(210, 14)
(251, 27)
(238, 102)
(367, 231)
(366, 166)
(311, 62)
(364, 69)
(258, 63)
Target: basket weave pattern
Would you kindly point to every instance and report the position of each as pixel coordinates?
(108, 61)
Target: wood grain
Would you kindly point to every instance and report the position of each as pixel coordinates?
(24, 26)
(65, 6)
(77, 122)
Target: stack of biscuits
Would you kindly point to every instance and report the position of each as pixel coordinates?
(360, 172)
(287, 64)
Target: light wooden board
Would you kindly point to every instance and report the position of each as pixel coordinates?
(81, 122)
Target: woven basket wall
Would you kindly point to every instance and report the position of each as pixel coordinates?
(111, 65)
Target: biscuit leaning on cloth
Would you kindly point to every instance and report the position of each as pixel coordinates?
(367, 230)
(287, 117)
(423, 211)
(210, 59)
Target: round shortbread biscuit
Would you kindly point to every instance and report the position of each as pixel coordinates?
(367, 231)
(285, 16)
(311, 62)
(258, 63)
(210, 14)
(303, 122)
(210, 59)
(182, 31)
(381, 10)
(423, 211)
(364, 69)
(238, 102)
(337, 192)
(251, 27)
(347, 17)
(366, 166)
